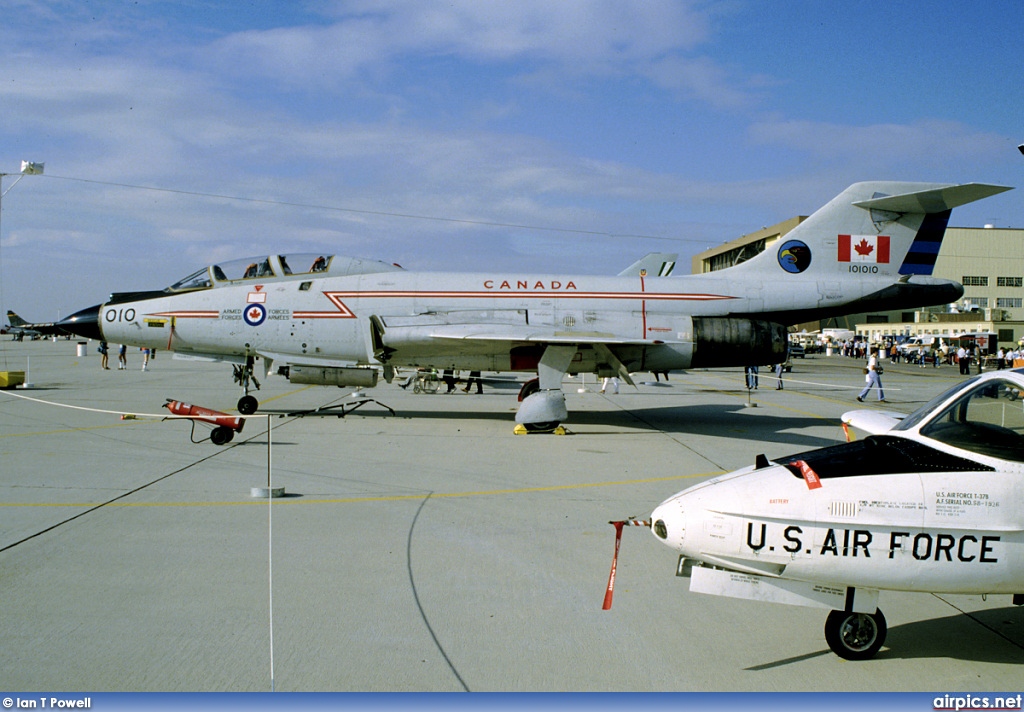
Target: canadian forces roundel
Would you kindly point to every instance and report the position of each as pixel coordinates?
(794, 256)
(254, 314)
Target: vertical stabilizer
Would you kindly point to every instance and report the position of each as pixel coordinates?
(872, 247)
(879, 228)
(935, 205)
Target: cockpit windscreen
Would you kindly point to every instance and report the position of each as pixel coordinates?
(988, 419)
(262, 268)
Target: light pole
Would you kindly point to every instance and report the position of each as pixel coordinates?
(28, 168)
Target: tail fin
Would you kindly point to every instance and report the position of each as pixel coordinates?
(882, 228)
(936, 205)
(653, 264)
(14, 319)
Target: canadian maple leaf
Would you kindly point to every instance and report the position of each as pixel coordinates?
(863, 248)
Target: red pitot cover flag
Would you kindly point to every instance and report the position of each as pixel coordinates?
(864, 248)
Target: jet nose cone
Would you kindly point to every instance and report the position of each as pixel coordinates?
(84, 323)
(658, 524)
(668, 523)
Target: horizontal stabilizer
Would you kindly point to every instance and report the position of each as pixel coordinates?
(936, 200)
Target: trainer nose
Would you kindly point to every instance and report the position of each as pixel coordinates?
(84, 323)
(668, 522)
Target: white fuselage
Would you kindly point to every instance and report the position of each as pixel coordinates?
(446, 319)
(942, 532)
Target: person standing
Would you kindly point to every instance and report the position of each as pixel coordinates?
(122, 357)
(104, 355)
(778, 376)
(145, 359)
(873, 378)
(750, 374)
(449, 379)
(613, 381)
(474, 377)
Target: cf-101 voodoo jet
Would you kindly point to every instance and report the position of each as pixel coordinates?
(929, 502)
(342, 321)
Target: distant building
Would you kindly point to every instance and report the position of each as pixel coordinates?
(945, 327)
(743, 248)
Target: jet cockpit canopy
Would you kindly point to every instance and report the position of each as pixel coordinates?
(276, 267)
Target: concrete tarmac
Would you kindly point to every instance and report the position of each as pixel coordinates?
(430, 550)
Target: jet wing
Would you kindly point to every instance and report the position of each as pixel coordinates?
(517, 334)
(270, 357)
(873, 422)
(513, 333)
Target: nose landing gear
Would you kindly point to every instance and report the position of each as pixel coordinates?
(243, 375)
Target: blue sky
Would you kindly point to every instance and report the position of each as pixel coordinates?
(558, 137)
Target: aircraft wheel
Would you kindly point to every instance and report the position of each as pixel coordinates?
(855, 636)
(221, 435)
(247, 405)
(541, 427)
(528, 389)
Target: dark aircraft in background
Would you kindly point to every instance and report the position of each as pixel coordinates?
(19, 328)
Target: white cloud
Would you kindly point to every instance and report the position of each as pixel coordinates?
(925, 141)
(569, 29)
(698, 78)
(581, 36)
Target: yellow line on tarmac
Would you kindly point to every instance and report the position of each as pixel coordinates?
(71, 430)
(383, 498)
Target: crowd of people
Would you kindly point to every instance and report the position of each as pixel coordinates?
(122, 356)
(941, 353)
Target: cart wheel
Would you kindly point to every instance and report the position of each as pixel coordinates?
(221, 435)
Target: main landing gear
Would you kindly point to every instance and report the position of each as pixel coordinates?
(545, 426)
(243, 375)
(542, 405)
(855, 636)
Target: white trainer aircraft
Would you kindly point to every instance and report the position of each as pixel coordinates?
(929, 502)
(334, 320)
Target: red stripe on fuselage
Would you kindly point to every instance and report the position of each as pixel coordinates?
(343, 312)
(535, 294)
(189, 314)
